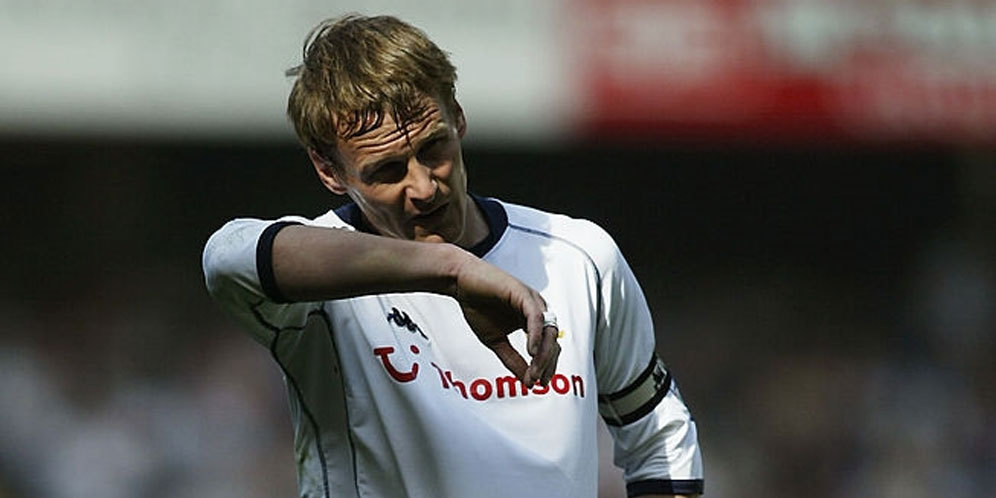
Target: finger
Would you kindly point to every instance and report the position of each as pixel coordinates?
(534, 344)
(550, 345)
(551, 367)
(548, 353)
(533, 340)
(549, 338)
(534, 331)
(534, 322)
(511, 359)
(546, 362)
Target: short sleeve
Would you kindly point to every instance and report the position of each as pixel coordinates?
(238, 273)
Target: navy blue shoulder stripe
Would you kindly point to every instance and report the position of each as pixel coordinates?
(591, 261)
(580, 249)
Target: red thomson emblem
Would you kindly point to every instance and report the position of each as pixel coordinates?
(482, 389)
(394, 372)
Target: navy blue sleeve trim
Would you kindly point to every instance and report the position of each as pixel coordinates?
(264, 261)
(665, 487)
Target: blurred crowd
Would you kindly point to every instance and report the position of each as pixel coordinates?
(98, 423)
(804, 382)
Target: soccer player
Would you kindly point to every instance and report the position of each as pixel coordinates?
(402, 321)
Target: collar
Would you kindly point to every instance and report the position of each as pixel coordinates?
(494, 215)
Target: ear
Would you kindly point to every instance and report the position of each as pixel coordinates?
(327, 172)
(461, 121)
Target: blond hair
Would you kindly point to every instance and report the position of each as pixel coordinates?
(357, 68)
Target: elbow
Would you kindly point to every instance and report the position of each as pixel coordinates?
(218, 261)
(213, 268)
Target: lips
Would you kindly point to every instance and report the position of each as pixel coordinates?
(432, 215)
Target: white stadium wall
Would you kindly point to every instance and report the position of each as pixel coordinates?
(192, 69)
(530, 71)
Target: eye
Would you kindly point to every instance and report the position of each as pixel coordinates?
(433, 151)
(389, 172)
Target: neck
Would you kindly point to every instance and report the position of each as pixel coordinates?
(475, 226)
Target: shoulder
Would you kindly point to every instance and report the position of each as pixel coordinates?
(335, 218)
(330, 219)
(583, 235)
(240, 236)
(244, 231)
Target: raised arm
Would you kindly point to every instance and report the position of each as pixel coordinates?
(315, 264)
(318, 264)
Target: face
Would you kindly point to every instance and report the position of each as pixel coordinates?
(415, 190)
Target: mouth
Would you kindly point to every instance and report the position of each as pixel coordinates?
(431, 216)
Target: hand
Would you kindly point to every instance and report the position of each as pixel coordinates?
(496, 304)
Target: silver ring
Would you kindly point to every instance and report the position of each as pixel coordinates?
(550, 320)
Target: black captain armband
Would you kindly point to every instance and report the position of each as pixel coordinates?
(639, 398)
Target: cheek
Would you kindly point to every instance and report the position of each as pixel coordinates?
(450, 174)
(384, 199)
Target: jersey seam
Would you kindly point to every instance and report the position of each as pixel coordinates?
(254, 308)
(345, 404)
(591, 261)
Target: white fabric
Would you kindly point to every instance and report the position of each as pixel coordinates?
(392, 395)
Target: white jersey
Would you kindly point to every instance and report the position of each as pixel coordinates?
(392, 395)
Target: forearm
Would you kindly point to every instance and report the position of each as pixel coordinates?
(318, 264)
(312, 263)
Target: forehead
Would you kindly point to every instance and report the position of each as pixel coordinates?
(387, 138)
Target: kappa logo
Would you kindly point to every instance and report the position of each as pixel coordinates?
(401, 319)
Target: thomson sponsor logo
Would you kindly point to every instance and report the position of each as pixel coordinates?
(482, 388)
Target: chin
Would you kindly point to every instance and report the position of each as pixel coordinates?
(430, 235)
(432, 238)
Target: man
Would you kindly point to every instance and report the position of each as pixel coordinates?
(396, 319)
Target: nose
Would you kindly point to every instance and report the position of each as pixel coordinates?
(422, 186)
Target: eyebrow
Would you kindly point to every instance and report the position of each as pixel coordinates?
(442, 129)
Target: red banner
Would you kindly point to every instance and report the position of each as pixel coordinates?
(787, 69)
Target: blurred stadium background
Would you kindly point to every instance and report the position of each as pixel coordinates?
(806, 189)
